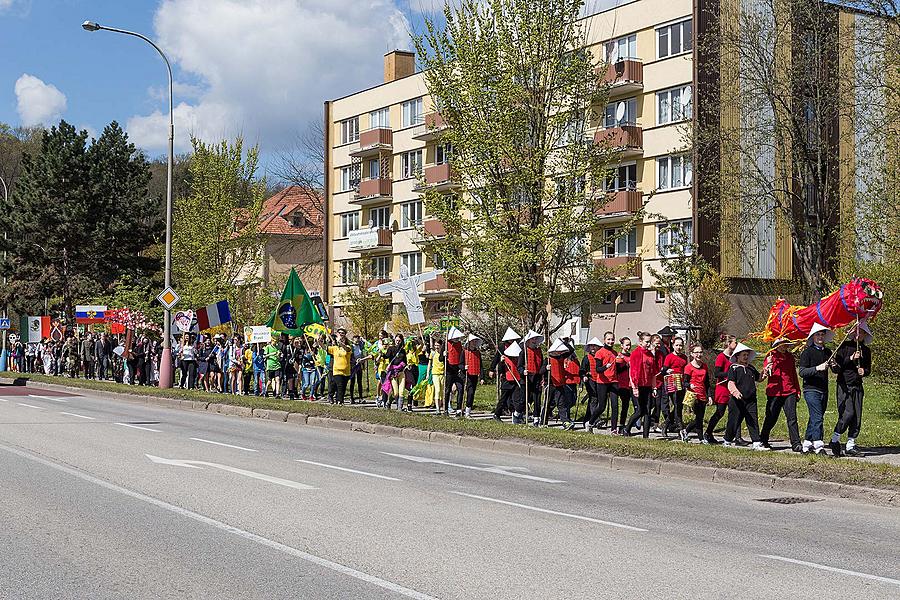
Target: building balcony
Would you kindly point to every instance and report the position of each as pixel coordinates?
(373, 142)
(431, 128)
(438, 287)
(622, 267)
(372, 191)
(438, 178)
(370, 240)
(431, 229)
(621, 202)
(627, 139)
(625, 77)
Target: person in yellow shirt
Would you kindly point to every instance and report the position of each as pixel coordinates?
(248, 368)
(341, 354)
(436, 372)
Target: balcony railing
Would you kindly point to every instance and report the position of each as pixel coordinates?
(371, 239)
(434, 228)
(621, 202)
(374, 141)
(625, 267)
(627, 138)
(431, 128)
(437, 177)
(624, 76)
(373, 190)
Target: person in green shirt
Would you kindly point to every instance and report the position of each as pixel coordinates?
(273, 367)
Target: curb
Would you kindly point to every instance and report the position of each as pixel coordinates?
(642, 466)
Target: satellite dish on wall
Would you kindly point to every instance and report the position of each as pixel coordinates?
(686, 96)
(689, 177)
(620, 111)
(614, 54)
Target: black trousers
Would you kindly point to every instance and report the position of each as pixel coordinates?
(601, 397)
(590, 387)
(621, 396)
(339, 384)
(510, 398)
(454, 377)
(697, 423)
(189, 373)
(642, 409)
(675, 416)
(535, 393)
(774, 406)
(714, 420)
(660, 412)
(742, 410)
(851, 399)
(356, 379)
(471, 386)
(564, 398)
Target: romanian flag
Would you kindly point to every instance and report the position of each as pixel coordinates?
(213, 315)
(34, 329)
(90, 314)
(295, 310)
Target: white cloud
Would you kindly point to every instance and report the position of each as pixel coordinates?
(38, 102)
(266, 66)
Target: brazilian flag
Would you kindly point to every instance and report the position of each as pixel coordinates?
(295, 310)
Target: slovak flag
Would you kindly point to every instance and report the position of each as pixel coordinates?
(213, 315)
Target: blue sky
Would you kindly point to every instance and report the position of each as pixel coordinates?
(261, 68)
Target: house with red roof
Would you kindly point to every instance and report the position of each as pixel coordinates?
(292, 223)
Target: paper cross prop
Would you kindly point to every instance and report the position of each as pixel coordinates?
(408, 286)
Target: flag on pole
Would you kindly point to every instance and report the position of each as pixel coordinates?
(34, 329)
(90, 313)
(295, 310)
(213, 315)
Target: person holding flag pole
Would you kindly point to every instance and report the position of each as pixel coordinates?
(531, 362)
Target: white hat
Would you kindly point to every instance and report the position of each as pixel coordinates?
(455, 334)
(533, 336)
(558, 347)
(472, 338)
(593, 342)
(864, 327)
(743, 348)
(510, 335)
(817, 327)
(513, 350)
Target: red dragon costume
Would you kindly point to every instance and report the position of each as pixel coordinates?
(858, 299)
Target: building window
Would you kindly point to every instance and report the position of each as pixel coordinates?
(440, 262)
(660, 296)
(631, 296)
(411, 164)
(413, 262)
(413, 113)
(381, 267)
(674, 39)
(623, 112)
(380, 118)
(674, 238)
(674, 105)
(298, 220)
(442, 154)
(674, 172)
(411, 214)
(380, 217)
(350, 130)
(621, 48)
(349, 222)
(609, 298)
(373, 169)
(349, 272)
(349, 178)
(620, 243)
(623, 177)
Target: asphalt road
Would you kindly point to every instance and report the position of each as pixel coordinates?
(110, 499)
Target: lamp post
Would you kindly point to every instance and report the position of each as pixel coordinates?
(3, 354)
(165, 364)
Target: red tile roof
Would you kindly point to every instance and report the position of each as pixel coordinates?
(276, 217)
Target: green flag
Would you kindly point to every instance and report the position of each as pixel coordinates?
(295, 310)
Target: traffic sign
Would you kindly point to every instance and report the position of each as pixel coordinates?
(4, 324)
(168, 298)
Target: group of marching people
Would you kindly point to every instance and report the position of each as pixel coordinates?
(661, 376)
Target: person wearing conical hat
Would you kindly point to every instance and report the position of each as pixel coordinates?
(564, 375)
(852, 362)
(511, 392)
(453, 368)
(532, 365)
(589, 377)
(473, 369)
(498, 366)
(814, 364)
(782, 391)
(742, 379)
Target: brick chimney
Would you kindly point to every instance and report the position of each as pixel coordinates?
(399, 64)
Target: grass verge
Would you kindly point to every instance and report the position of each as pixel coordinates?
(843, 471)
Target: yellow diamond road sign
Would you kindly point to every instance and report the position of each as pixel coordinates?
(168, 298)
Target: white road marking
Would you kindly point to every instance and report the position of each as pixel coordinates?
(311, 558)
(336, 468)
(79, 416)
(138, 427)
(550, 512)
(197, 464)
(3, 400)
(51, 398)
(30, 405)
(224, 444)
(832, 569)
(495, 469)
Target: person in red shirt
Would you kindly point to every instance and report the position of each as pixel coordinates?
(674, 364)
(697, 374)
(721, 393)
(604, 380)
(511, 392)
(532, 365)
(623, 393)
(472, 365)
(645, 368)
(453, 370)
(782, 391)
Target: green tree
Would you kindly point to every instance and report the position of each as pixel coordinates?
(519, 91)
(217, 247)
(366, 311)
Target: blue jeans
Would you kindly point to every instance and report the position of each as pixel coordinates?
(309, 380)
(816, 402)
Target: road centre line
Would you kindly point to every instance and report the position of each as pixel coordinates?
(224, 444)
(138, 427)
(831, 569)
(311, 558)
(50, 398)
(79, 416)
(336, 468)
(3, 400)
(551, 512)
(30, 405)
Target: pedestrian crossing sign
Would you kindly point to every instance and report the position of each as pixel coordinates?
(168, 298)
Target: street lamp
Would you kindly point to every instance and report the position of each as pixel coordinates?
(165, 365)
(3, 354)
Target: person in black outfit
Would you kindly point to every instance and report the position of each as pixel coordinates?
(742, 379)
(813, 368)
(852, 362)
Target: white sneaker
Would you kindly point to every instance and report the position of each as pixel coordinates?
(727, 444)
(758, 446)
(468, 413)
(819, 447)
(807, 446)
